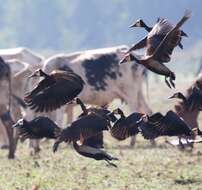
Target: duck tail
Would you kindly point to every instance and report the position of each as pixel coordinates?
(186, 16)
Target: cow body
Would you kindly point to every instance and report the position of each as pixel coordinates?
(105, 79)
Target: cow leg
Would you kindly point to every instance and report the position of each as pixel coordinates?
(8, 122)
(70, 113)
(3, 136)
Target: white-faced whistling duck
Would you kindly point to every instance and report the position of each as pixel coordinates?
(38, 128)
(142, 43)
(83, 128)
(125, 126)
(193, 101)
(160, 52)
(171, 124)
(55, 90)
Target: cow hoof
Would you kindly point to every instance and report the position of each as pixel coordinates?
(11, 156)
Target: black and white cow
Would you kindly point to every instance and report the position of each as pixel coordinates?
(105, 79)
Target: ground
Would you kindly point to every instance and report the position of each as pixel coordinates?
(142, 167)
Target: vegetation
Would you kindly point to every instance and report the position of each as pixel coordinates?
(142, 167)
(72, 25)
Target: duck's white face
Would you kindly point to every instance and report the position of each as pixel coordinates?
(19, 123)
(138, 23)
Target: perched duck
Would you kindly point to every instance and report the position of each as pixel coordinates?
(140, 23)
(159, 50)
(94, 153)
(125, 126)
(157, 125)
(38, 128)
(54, 90)
(193, 101)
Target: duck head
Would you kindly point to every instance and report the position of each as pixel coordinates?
(138, 23)
(19, 123)
(129, 57)
(37, 73)
(178, 95)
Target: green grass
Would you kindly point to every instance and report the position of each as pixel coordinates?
(140, 168)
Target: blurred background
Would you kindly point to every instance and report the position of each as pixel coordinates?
(72, 25)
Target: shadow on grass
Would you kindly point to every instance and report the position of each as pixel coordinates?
(184, 181)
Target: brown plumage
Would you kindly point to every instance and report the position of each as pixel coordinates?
(38, 128)
(159, 48)
(55, 90)
(142, 43)
(83, 128)
(125, 126)
(97, 140)
(193, 101)
(157, 125)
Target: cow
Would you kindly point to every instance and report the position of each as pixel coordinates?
(22, 54)
(19, 85)
(105, 79)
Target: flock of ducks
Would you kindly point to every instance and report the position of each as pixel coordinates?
(62, 87)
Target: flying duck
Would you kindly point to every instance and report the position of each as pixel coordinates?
(54, 90)
(158, 52)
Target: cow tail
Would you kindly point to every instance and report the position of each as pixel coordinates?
(147, 83)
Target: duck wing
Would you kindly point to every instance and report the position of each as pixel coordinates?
(139, 45)
(169, 125)
(172, 38)
(194, 101)
(38, 128)
(125, 127)
(82, 128)
(54, 96)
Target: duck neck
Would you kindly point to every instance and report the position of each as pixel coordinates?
(147, 28)
(122, 115)
(183, 98)
(83, 107)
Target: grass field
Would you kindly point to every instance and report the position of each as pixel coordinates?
(140, 168)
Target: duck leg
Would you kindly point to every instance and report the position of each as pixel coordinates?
(171, 82)
(110, 163)
(167, 82)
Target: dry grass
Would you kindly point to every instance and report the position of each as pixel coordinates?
(142, 167)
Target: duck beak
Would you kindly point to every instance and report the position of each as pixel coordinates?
(33, 75)
(15, 125)
(125, 59)
(171, 97)
(133, 25)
